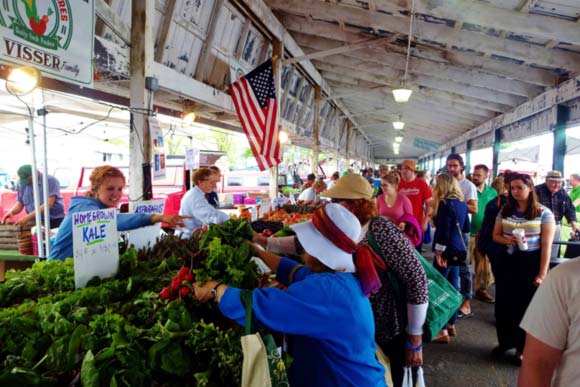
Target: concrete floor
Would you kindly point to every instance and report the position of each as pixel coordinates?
(467, 360)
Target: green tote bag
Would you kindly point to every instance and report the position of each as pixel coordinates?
(444, 300)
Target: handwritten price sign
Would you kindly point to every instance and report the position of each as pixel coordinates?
(95, 245)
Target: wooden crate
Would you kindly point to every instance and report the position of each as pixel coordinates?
(6, 265)
(8, 235)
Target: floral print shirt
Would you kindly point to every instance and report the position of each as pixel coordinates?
(400, 258)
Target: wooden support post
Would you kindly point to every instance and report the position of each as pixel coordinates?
(277, 54)
(316, 129)
(562, 116)
(468, 157)
(142, 48)
(496, 144)
(347, 145)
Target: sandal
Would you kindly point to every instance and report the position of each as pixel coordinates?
(452, 330)
(461, 315)
(483, 295)
(442, 337)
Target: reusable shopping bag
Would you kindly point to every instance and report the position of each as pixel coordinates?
(408, 377)
(263, 364)
(444, 300)
(420, 378)
(386, 363)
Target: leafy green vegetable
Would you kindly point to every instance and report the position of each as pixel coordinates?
(118, 331)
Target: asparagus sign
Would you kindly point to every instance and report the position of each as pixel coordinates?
(55, 36)
(147, 236)
(95, 245)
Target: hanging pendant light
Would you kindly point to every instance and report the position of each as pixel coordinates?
(403, 93)
(398, 125)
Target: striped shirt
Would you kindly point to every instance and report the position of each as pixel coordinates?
(532, 228)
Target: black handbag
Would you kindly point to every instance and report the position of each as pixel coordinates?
(453, 256)
(573, 250)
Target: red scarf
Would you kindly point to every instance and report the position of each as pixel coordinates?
(366, 261)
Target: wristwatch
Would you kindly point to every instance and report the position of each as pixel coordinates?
(213, 292)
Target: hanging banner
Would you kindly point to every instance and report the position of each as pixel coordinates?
(95, 245)
(56, 37)
(158, 148)
(192, 159)
(147, 236)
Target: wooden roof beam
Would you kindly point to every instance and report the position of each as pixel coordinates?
(415, 104)
(424, 104)
(113, 21)
(300, 29)
(480, 13)
(451, 87)
(435, 95)
(433, 118)
(339, 50)
(376, 59)
(430, 31)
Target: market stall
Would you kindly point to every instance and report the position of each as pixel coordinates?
(140, 327)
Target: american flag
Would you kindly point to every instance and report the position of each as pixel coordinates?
(254, 97)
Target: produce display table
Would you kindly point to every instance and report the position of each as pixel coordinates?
(12, 259)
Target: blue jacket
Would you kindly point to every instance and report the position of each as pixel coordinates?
(328, 322)
(446, 232)
(63, 245)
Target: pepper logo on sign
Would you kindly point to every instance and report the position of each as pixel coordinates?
(45, 24)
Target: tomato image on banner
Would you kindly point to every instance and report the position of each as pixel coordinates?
(42, 34)
(37, 24)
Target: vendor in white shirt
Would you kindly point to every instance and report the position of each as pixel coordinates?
(312, 193)
(196, 205)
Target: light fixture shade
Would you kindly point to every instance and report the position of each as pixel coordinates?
(283, 137)
(402, 95)
(396, 145)
(398, 125)
(22, 80)
(398, 139)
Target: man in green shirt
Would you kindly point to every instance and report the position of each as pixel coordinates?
(575, 191)
(483, 277)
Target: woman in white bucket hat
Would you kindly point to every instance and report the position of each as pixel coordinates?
(324, 312)
(398, 323)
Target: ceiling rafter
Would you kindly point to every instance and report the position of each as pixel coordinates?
(473, 93)
(433, 32)
(376, 59)
(482, 14)
(298, 26)
(382, 91)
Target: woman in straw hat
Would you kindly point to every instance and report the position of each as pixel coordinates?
(324, 312)
(398, 323)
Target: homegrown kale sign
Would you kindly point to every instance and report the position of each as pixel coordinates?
(95, 245)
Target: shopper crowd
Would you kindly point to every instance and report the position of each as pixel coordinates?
(340, 305)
